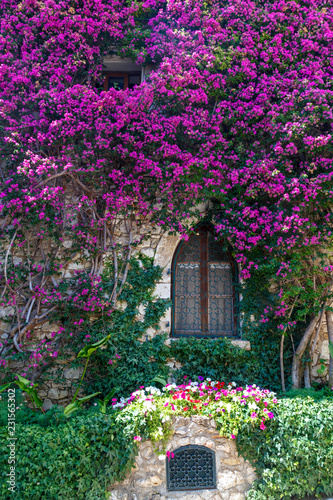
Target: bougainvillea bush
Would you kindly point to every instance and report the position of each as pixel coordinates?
(238, 112)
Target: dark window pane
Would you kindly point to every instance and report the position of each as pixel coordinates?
(133, 80)
(117, 82)
(190, 250)
(187, 298)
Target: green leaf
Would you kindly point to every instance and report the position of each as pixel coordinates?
(159, 380)
(71, 408)
(86, 398)
(109, 396)
(34, 396)
(25, 385)
(103, 404)
(87, 351)
(4, 387)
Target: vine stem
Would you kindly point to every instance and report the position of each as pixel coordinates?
(283, 383)
(83, 374)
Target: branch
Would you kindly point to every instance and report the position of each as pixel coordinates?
(50, 178)
(300, 351)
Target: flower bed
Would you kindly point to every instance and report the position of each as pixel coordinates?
(148, 412)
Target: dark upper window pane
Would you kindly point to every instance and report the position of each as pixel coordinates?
(117, 82)
(190, 250)
(215, 249)
(133, 80)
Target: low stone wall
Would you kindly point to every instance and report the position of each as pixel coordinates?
(147, 480)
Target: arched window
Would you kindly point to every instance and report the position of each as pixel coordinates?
(203, 276)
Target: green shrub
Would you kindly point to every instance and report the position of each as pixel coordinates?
(324, 392)
(295, 454)
(76, 458)
(79, 457)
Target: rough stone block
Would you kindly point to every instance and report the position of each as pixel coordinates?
(73, 373)
(237, 496)
(47, 404)
(163, 290)
(232, 460)
(325, 353)
(242, 344)
(229, 479)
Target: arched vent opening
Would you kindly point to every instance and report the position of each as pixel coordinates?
(191, 468)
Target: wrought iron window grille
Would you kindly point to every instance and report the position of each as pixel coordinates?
(191, 468)
(203, 288)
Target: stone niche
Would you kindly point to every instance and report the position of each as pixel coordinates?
(197, 447)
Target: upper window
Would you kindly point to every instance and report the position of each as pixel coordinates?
(203, 277)
(121, 81)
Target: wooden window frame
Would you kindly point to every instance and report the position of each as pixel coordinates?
(115, 74)
(204, 290)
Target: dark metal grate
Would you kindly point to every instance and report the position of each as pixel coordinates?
(191, 468)
(203, 291)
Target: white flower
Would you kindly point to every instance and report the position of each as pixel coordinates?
(161, 457)
(149, 406)
(253, 405)
(233, 384)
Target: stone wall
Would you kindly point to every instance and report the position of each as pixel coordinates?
(147, 480)
(162, 247)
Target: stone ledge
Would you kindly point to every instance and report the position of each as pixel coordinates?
(242, 344)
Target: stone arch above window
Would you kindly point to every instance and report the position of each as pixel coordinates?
(203, 291)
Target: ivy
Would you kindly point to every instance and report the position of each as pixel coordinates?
(295, 455)
(77, 458)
